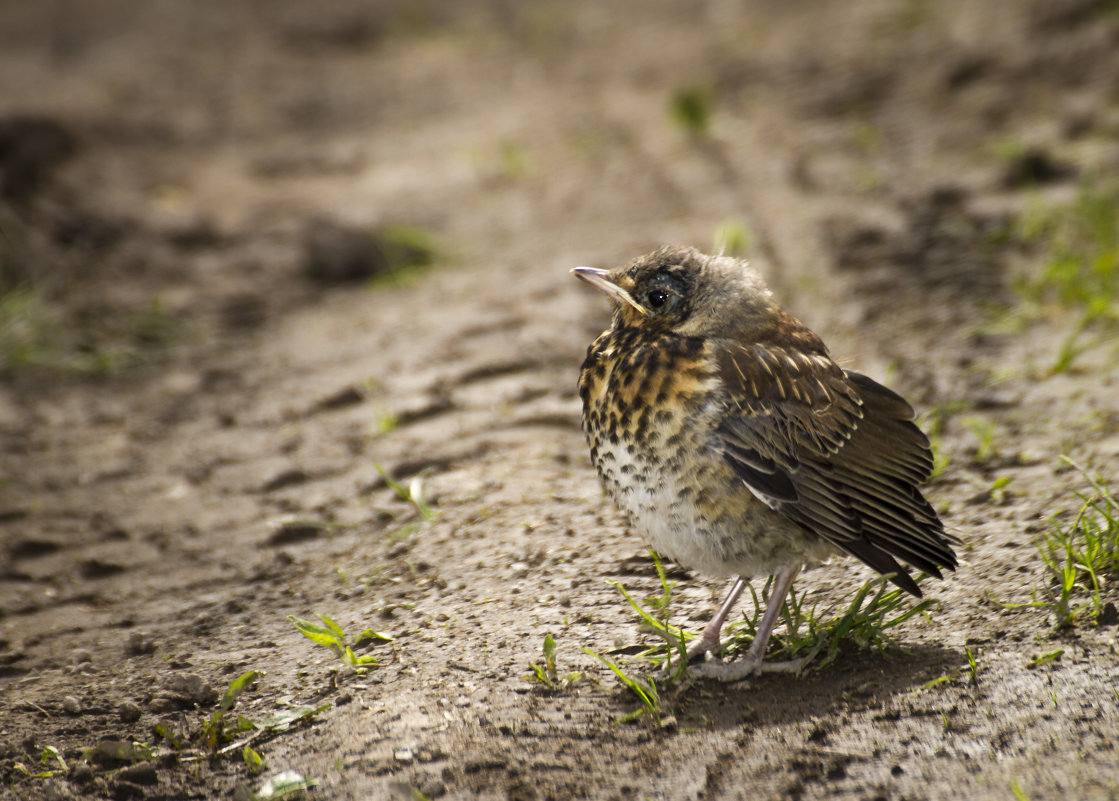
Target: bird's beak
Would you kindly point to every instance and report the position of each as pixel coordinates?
(598, 279)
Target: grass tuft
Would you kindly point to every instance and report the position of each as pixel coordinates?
(1046, 658)
(642, 685)
(219, 728)
(331, 636)
(815, 636)
(547, 673)
(1080, 557)
(35, 335)
(670, 656)
(691, 109)
(733, 238)
(412, 493)
(1080, 242)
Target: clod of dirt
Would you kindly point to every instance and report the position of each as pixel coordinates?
(30, 149)
(111, 752)
(286, 478)
(243, 311)
(347, 396)
(183, 692)
(81, 774)
(125, 791)
(71, 705)
(139, 643)
(95, 569)
(334, 253)
(53, 790)
(129, 712)
(8, 666)
(293, 531)
(1109, 615)
(140, 773)
(31, 548)
(1035, 166)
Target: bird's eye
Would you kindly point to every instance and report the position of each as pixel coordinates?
(657, 298)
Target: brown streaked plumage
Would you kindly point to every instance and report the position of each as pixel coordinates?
(735, 445)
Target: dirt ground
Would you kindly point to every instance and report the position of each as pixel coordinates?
(191, 186)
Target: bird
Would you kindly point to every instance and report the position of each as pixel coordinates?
(735, 445)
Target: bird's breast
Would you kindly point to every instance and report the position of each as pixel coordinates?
(649, 410)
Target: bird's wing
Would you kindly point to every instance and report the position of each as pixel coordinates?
(833, 451)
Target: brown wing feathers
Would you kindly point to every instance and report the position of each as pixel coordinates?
(843, 445)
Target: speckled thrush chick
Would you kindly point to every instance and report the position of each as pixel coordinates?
(734, 445)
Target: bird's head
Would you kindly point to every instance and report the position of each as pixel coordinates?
(685, 292)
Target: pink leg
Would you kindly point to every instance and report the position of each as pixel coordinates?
(710, 643)
(753, 661)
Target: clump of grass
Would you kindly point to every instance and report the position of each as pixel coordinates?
(998, 491)
(26, 329)
(408, 246)
(983, 429)
(670, 656)
(972, 675)
(639, 683)
(733, 238)
(690, 108)
(1080, 557)
(222, 732)
(548, 674)
(972, 668)
(220, 728)
(809, 633)
(815, 635)
(1081, 271)
(35, 335)
(657, 620)
(412, 493)
(385, 420)
(330, 635)
(1046, 658)
(54, 764)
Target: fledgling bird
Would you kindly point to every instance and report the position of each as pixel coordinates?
(735, 445)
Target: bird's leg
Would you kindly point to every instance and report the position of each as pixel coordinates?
(710, 642)
(753, 661)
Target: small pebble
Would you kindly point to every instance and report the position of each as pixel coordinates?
(140, 773)
(139, 643)
(71, 705)
(403, 755)
(129, 712)
(81, 773)
(189, 689)
(433, 788)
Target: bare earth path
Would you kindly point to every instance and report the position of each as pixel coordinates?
(159, 524)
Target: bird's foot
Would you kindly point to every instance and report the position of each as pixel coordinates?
(742, 669)
(704, 646)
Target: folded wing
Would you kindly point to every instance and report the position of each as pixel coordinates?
(834, 451)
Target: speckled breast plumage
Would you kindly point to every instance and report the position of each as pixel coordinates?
(651, 404)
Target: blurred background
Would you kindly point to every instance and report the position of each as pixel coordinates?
(287, 327)
(176, 170)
